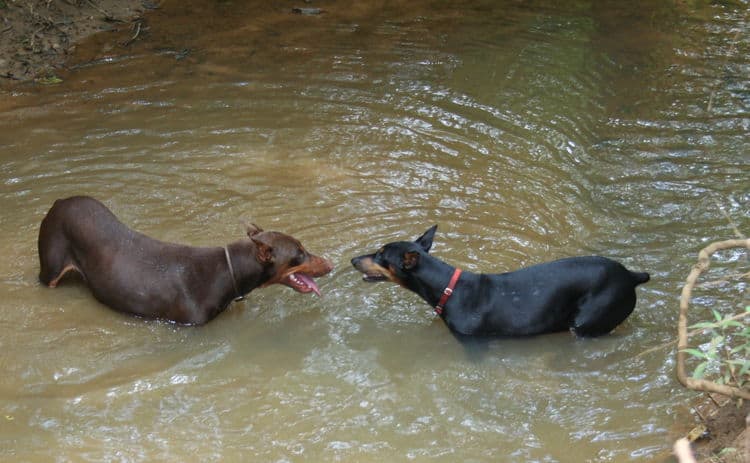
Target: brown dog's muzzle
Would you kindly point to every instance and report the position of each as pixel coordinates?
(300, 277)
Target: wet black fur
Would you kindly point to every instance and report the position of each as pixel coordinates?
(590, 295)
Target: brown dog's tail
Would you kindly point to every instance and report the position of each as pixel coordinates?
(640, 277)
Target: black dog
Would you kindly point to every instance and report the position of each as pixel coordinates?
(590, 295)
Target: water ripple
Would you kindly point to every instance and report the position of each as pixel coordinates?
(526, 132)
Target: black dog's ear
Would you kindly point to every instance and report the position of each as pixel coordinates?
(410, 260)
(426, 240)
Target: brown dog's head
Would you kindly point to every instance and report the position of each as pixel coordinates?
(290, 263)
(395, 261)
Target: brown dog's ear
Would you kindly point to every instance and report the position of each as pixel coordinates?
(264, 251)
(411, 259)
(252, 229)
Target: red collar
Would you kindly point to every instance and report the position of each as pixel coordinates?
(447, 291)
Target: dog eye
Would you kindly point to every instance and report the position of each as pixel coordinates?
(298, 259)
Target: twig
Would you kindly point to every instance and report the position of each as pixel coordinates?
(137, 32)
(718, 405)
(704, 260)
(700, 415)
(10, 76)
(736, 229)
(94, 6)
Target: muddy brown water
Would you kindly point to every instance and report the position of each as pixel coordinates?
(526, 131)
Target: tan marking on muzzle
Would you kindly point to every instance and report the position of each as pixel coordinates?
(369, 267)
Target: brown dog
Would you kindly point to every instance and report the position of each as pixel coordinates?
(133, 273)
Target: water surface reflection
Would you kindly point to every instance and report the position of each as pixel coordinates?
(526, 131)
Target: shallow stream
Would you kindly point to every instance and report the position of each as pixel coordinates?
(527, 131)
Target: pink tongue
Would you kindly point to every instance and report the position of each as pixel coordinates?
(308, 281)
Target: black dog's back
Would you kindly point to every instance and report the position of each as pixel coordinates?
(593, 294)
(589, 294)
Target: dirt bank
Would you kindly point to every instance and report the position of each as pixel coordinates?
(37, 36)
(721, 435)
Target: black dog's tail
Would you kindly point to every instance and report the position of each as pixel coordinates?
(640, 277)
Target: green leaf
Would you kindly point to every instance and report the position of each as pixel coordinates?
(716, 341)
(745, 368)
(50, 80)
(703, 325)
(717, 315)
(700, 370)
(696, 353)
(735, 362)
(733, 323)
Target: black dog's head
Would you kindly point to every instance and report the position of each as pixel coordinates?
(395, 261)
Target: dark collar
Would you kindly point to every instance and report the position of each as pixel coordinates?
(238, 296)
(447, 291)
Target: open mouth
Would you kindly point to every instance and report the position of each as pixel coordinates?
(302, 283)
(371, 272)
(372, 277)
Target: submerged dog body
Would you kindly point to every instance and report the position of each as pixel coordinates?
(590, 295)
(133, 273)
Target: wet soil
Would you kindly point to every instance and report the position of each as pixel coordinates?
(38, 36)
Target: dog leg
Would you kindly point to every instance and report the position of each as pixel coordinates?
(54, 260)
(600, 313)
(53, 283)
